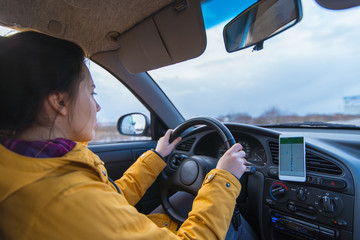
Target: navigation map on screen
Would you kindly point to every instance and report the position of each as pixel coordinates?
(292, 156)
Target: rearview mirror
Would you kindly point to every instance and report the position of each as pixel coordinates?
(259, 22)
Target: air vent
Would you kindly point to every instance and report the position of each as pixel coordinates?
(274, 148)
(186, 145)
(319, 164)
(314, 162)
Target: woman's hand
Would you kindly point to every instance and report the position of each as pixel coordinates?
(233, 161)
(163, 147)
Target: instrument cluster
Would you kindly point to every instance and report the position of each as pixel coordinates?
(255, 152)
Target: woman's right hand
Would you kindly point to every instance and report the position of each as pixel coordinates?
(233, 161)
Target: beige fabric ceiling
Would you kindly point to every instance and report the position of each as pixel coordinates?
(67, 18)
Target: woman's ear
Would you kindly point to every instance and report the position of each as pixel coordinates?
(58, 103)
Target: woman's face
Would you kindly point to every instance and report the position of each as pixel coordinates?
(83, 117)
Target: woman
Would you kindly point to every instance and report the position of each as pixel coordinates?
(54, 187)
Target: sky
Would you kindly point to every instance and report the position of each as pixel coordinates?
(307, 69)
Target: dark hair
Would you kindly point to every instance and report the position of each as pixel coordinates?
(33, 65)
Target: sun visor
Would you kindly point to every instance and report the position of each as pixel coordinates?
(174, 34)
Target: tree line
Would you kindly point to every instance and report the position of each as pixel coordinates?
(274, 116)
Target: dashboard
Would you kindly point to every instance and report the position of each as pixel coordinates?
(322, 207)
(255, 152)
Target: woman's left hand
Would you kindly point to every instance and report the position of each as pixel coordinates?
(163, 146)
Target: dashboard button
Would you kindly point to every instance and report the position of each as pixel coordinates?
(270, 202)
(273, 172)
(333, 183)
(301, 194)
(291, 208)
(328, 204)
(278, 191)
(340, 223)
(314, 180)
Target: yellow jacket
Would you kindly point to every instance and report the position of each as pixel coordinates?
(70, 197)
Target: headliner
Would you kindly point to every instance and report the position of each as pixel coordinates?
(67, 18)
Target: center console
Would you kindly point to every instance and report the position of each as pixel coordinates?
(316, 209)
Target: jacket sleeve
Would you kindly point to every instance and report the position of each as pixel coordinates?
(140, 176)
(92, 210)
(212, 208)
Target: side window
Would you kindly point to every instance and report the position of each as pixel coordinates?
(115, 101)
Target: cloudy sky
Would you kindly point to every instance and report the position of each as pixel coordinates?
(307, 69)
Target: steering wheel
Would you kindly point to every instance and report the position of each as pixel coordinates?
(188, 176)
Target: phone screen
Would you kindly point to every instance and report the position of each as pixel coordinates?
(292, 158)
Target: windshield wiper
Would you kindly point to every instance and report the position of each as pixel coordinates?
(312, 125)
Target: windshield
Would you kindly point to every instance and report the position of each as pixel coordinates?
(307, 73)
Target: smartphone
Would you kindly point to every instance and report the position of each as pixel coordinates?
(292, 163)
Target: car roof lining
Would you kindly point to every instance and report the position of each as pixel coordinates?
(66, 18)
(172, 32)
